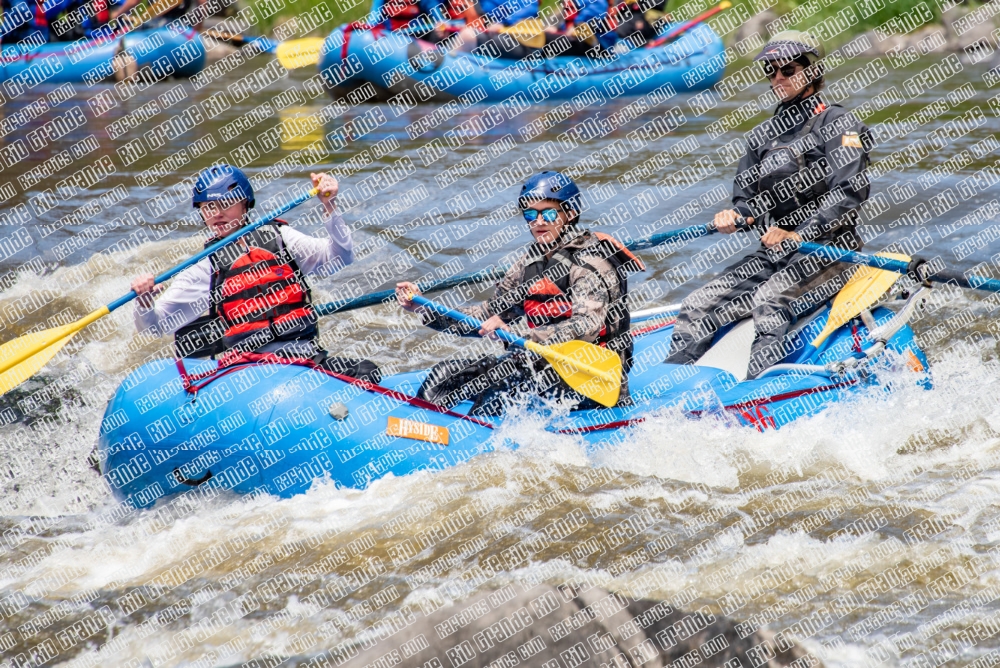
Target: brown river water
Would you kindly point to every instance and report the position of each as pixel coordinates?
(873, 525)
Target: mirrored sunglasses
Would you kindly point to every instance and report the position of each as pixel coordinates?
(548, 215)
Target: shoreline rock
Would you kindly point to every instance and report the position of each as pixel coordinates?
(583, 627)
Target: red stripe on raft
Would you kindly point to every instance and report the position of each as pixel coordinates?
(601, 427)
(743, 404)
(652, 328)
(792, 395)
(247, 359)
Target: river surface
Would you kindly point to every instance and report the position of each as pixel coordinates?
(884, 510)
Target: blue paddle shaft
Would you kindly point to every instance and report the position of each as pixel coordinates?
(898, 266)
(466, 320)
(198, 257)
(844, 255)
(266, 45)
(330, 308)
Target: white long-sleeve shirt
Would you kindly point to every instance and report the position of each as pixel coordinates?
(189, 292)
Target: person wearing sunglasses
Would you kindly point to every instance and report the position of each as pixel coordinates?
(802, 178)
(254, 289)
(570, 284)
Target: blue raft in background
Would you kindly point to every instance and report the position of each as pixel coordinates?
(166, 52)
(396, 64)
(278, 427)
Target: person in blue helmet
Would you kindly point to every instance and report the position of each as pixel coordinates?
(254, 289)
(571, 284)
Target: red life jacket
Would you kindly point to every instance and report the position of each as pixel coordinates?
(546, 285)
(258, 291)
(461, 10)
(40, 20)
(570, 10)
(400, 12)
(101, 13)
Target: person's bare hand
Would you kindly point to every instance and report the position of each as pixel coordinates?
(775, 236)
(146, 288)
(404, 293)
(725, 221)
(328, 188)
(491, 325)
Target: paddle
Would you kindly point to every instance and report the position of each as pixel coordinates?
(684, 27)
(265, 44)
(865, 287)
(875, 276)
(491, 273)
(291, 54)
(25, 356)
(918, 269)
(594, 372)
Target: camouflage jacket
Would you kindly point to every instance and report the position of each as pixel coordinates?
(592, 294)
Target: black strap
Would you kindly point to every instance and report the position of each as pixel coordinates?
(805, 130)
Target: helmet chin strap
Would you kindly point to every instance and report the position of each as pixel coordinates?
(802, 94)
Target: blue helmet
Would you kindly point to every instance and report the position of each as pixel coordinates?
(554, 186)
(220, 182)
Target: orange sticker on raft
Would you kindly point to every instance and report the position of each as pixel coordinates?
(913, 362)
(419, 431)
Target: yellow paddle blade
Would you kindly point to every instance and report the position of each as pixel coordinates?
(297, 53)
(529, 32)
(24, 370)
(26, 355)
(594, 372)
(866, 286)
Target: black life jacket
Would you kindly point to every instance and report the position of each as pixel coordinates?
(789, 179)
(258, 296)
(546, 286)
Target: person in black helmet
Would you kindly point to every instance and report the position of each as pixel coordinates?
(254, 289)
(570, 285)
(795, 183)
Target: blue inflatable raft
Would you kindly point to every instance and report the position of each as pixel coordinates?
(277, 427)
(159, 53)
(399, 65)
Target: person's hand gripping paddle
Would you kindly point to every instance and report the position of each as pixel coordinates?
(594, 372)
(25, 356)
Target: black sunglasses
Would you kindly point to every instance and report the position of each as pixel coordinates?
(787, 71)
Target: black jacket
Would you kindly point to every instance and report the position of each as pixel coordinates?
(833, 149)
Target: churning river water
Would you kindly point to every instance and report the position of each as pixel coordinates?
(874, 524)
